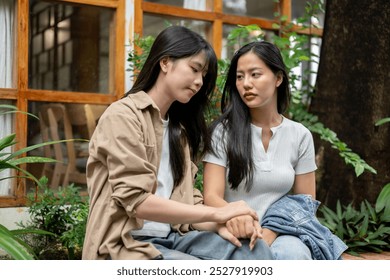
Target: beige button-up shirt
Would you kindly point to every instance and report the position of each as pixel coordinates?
(124, 154)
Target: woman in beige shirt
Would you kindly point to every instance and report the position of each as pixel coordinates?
(140, 171)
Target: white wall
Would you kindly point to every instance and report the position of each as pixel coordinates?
(9, 216)
(129, 37)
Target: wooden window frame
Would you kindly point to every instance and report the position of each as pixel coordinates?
(216, 17)
(21, 94)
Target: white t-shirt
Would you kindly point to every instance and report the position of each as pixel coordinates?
(290, 152)
(164, 190)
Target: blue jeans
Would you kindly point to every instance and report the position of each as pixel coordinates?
(206, 246)
(289, 247)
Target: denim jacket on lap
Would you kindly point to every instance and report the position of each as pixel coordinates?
(296, 215)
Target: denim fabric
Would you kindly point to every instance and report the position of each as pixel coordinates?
(295, 215)
(289, 247)
(206, 246)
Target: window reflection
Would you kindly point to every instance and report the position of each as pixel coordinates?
(153, 25)
(201, 5)
(68, 47)
(60, 121)
(6, 128)
(252, 8)
(7, 43)
(228, 48)
(298, 10)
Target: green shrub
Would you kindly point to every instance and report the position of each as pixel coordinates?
(62, 212)
(366, 229)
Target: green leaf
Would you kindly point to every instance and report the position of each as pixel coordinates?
(382, 230)
(382, 121)
(371, 211)
(358, 244)
(339, 210)
(14, 109)
(28, 174)
(363, 230)
(31, 159)
(7, 141)
(359, 169)
(31, 231)
(304, 58)
(283, 18)
(341, 232)
(33, 147)
(10, 245)
(7, 106)
(378, 242)
(383, 199)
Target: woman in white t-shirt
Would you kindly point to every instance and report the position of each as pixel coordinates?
(259, 155)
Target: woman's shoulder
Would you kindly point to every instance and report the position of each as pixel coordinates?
(294, 124)
(295, 128)
(218, 129)
(130, 104)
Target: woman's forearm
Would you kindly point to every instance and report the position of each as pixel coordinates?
(214, 200)
(157, 209)
(206, 226)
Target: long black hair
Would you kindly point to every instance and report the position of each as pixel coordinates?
(236, 118)
(186, 121)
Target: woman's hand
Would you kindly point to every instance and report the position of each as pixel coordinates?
(241, 226)
(269, 236)
(245, 227)
(234, 209)
(225, 234)
(257, 233)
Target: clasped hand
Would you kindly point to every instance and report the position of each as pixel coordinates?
(243, 226)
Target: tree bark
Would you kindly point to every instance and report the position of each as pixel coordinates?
(352, 93)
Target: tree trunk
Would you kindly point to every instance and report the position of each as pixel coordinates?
(352, 93)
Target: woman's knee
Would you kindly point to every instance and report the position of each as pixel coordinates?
(288, 247)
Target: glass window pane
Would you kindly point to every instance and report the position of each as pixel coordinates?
(69, 47)
(7, 43)
(229, 47)
(201, 5)
(153, 25)
(6, 128)
(298, 11)
(252, 8)
(306, 71)
(62, 121)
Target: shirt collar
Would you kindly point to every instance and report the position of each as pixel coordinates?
(142, 100)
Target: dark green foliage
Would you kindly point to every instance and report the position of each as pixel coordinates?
(364, 229)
